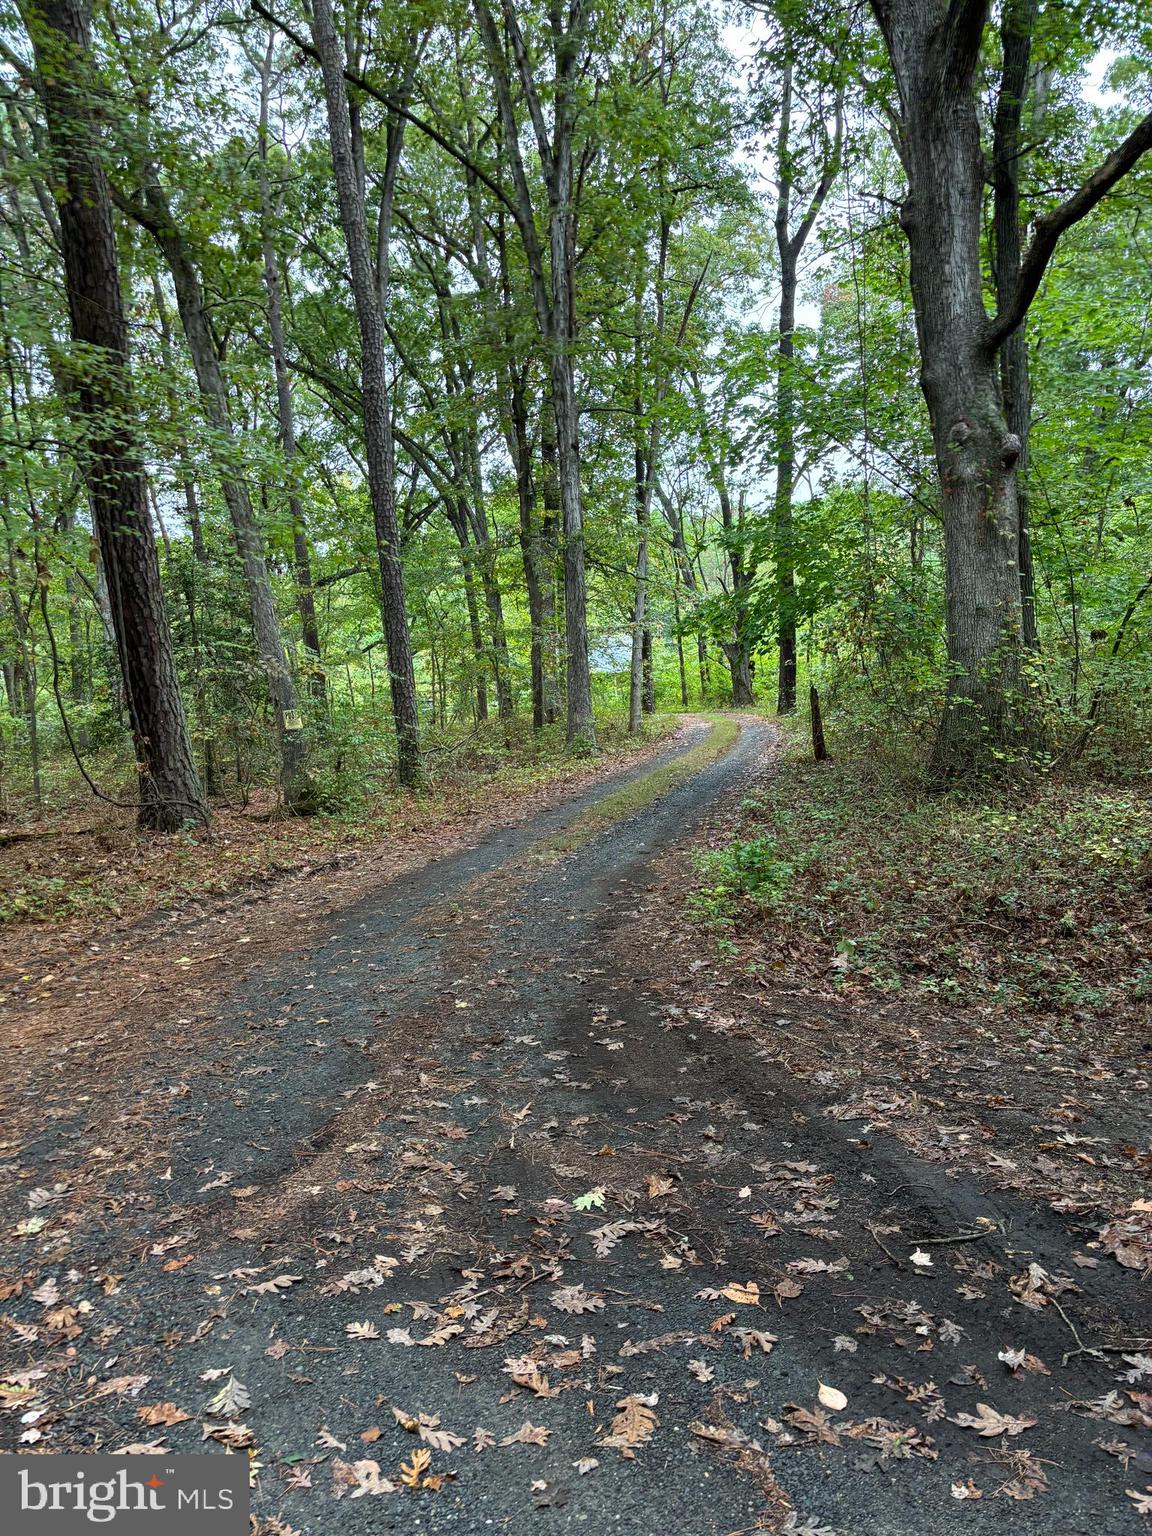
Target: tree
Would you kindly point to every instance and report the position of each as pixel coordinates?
(369, 293)
(169, 790)
(934, 47)
(830, 50)
(554, 289)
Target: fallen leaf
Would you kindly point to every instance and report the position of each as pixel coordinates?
(832, 1398)
(528, 1434)
(988, 1422)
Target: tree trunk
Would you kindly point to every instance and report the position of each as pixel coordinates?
(985, 718)
(169, 791)
(1016, 27)
(790, 246)
(640, 632)
(298, 792)
(285, 412)
(368, 287)
(549, 538)
(740, 667)
(785, 472)
(458, 517)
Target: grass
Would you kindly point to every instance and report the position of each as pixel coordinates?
(1041, 903)
(642, 792)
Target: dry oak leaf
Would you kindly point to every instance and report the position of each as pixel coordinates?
(231, 1401)
(272, 1287)
(811, 1423)
(440, 1439)
(412, 1471)
(786, 1289)
(363, 1330)
(634, 1423)
(525, 1372)
(143, 1448)
(966, 1490)
(574, 1298)
(162, 1413)
(528, 1434)
(358, 1478)
(987, 1422)
(701, 1370)
(747, 1295)
(748, 1339)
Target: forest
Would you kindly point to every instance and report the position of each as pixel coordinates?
(575, 749)
(375, 379)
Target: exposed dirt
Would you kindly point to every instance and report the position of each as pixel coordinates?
(501, 1147)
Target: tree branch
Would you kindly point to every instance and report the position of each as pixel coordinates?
(362, 83)
(1050, 226)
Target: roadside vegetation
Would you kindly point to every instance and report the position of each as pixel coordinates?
(1036, 902)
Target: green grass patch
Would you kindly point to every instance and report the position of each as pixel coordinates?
(642, 792)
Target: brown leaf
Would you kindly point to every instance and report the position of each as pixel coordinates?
(412, 1471)
(162, 1413)
(747, 1295)
(633, 1424)
(359, 1478)
(528, 1434)
(987, 1422)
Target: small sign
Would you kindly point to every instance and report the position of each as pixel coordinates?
(67, 1495)
(293, 721)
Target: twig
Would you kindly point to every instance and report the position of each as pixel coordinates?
(1081, 1347)
(886, 1251)
(959, 1237)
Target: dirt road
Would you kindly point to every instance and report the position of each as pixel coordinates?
(474, 1178)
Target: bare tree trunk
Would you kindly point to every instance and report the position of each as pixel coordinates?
(554, 297)
(790, 245)
(458, 517)
(169, 791)
(549, 534)
(155, 214)
(369, 287)
(286, 416)
(1016, 27)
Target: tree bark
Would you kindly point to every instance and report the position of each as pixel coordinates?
(985, 718)
(1016, 28)
(553, 294)
(369, 286)
(934, 47)
(790, 245)
(296, 787)
(169, 791)
(285, 411)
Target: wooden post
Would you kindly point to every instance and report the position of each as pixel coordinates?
(819, 750)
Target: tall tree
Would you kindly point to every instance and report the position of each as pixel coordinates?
(169, 790)
(552, 279)
(934, 47)
(153, 211)
(369, 277)
(790, 243)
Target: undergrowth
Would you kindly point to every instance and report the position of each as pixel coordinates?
(1040, 902)
(89, 862)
